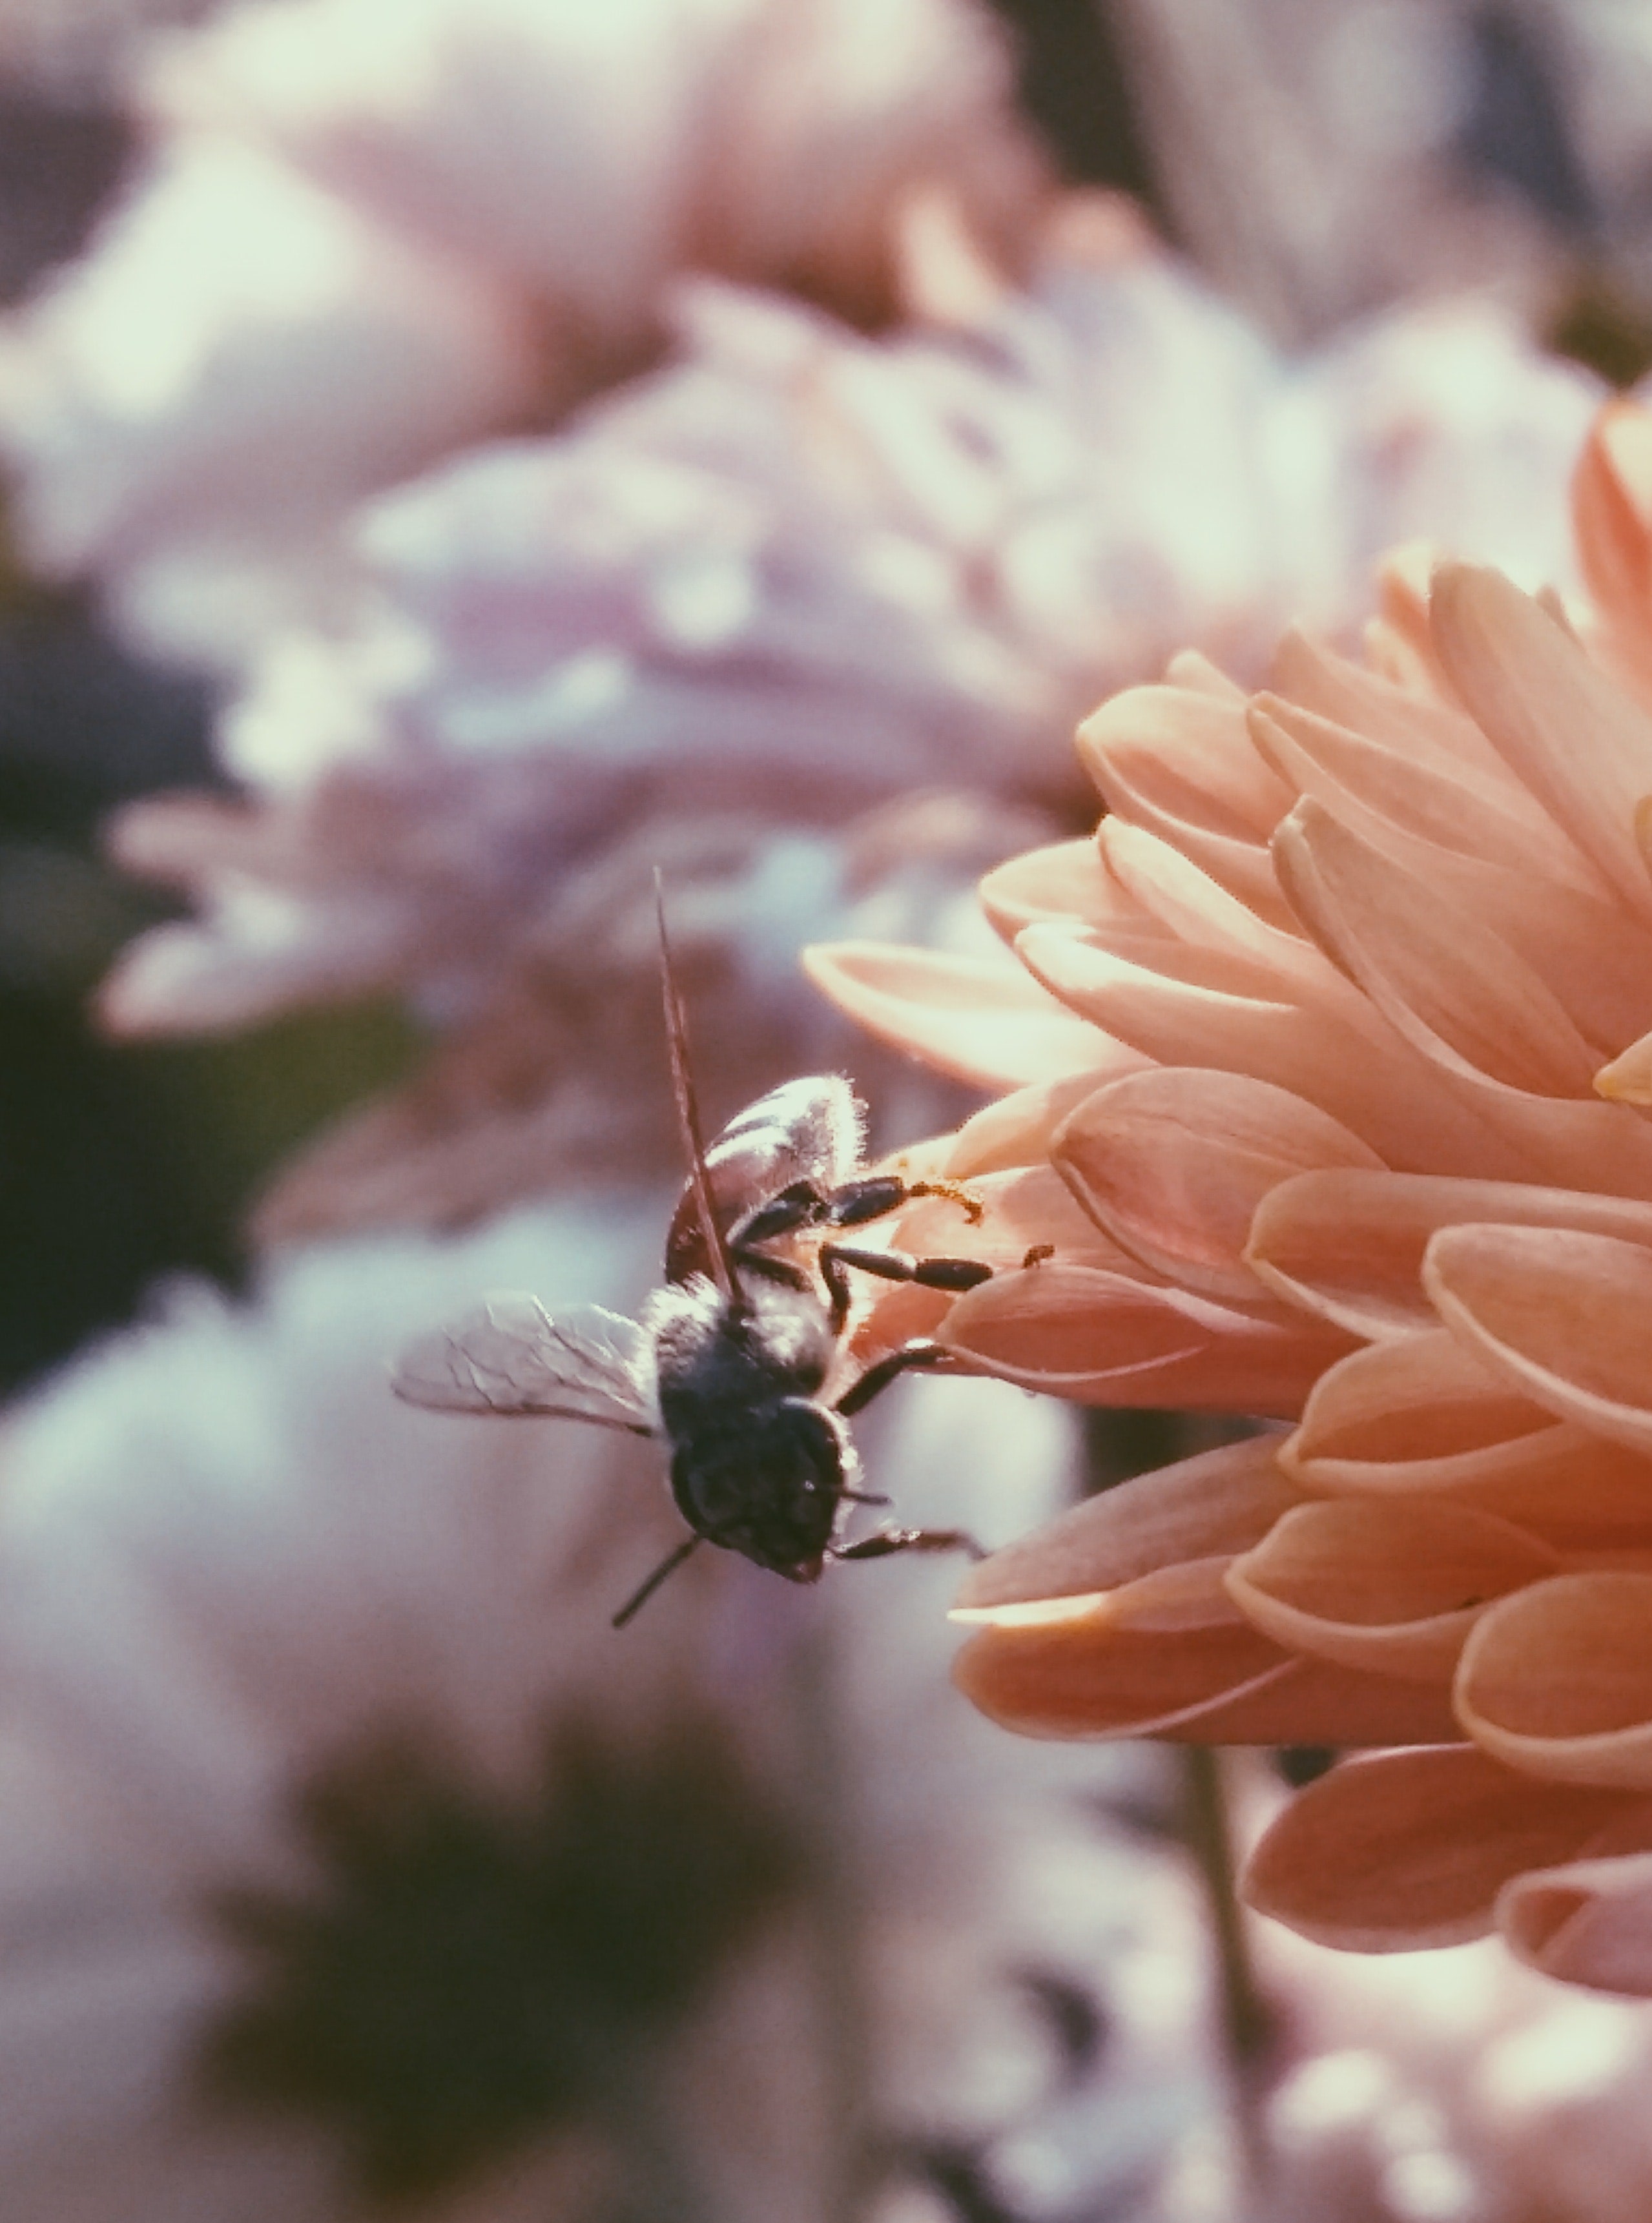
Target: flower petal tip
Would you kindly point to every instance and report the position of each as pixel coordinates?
(1028, 1612)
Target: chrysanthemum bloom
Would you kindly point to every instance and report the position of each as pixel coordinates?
(368, 234)
(1334, 1043)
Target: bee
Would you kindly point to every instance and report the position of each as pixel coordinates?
(730, 1363)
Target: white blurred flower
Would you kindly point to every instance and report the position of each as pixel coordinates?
(373, 230)
(1453, 2087)
(314, 1729)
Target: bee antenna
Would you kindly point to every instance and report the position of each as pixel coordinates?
(688, 1109)
(668, 1565)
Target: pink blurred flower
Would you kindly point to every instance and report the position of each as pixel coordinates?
(799, 572)
(368, 234)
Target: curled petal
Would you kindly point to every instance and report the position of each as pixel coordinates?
(1210, 1506)
(1408, 1850)
(1065, 880)
(1015, 1130)
(1627, 1078)
(1557, 1681)
(1028, 1207)
(1176, 762)
(1173, 1162)
(1159, 889)
(1087, 1671)
(1163, 1659)
(1349, 1244)
(1379, 789)
(1563, 1317)
(1184, 754)
(1466, 837)
(1425, 1418)
(1532, 691)
(1453, 988)
(1611, 501)
(1179, 1005)
(1101, 1338)
(1405, 718)
(1419, 1397)
(1585, 1922)
(1360, 1438)
(984, 1023)
(1381, 1586)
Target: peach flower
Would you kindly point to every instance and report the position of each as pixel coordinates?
(1328, 1085)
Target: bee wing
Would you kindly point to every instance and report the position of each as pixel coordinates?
(807, 1129)
(509, 1355)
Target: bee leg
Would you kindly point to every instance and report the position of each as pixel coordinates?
(892, 1266)
(802, 1205)
(879, 1376)
(876, 1195)
(887, 1541)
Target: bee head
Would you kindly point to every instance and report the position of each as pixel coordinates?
(768, 1485)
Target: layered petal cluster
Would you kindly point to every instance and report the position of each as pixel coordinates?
(368, 233)
(1346, 1134)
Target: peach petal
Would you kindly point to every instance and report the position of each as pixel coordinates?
(1015, 1131)
(1063, 880)
(1557, 1681)
(1594, 958)
(1611, 501)
(1101, 1338)
(1385, 1587)
(1376, 788)
(1532, 691)
(1186, 755)
(1399, 641)
(1178, 766)
(1030, 1205)
(980, 1022)
(1172, 1163)
(1627, 1079)
(1349, 1244)
(1422, 1396)
(1085, 1676)
(1563, 1317)
(1192, 669)
(1585, 1922)
(1305, 670)
(1164, 886)
(1444, 980)
(1317, 1702)
(1408, 1850)
(1153, 1661)
(1424, 1417)
(1221, 1502)
(1459, 835)
(1377, 1089)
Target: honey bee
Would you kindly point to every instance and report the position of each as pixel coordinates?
(732, 1359)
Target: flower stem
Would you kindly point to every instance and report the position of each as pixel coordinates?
(1246, 2019)
(838, 1915)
